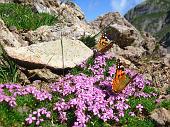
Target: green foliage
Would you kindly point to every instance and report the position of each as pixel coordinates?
(77, 70)
(23, 17)
(148, 89)
(89, 41)
(165, 104)
(96, 122)
(157, 46)
(11, 117)
(71, 117)
(90, 61)
(109, 63)
(8, 69)
(6, 91)
(148, 103)
(168, 90)
(130, 121)
(27, 100)
(69, 97)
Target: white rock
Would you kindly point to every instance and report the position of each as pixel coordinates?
(6, 37)
(161, 116)
(50, 54)
(167, 60)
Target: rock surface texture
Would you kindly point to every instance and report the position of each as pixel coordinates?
(6, 37)
(161, 116)
(49, 54)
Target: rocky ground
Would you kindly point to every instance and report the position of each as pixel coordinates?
(39, 52)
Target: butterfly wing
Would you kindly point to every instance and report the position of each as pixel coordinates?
(103, 45)
(120, 80)
(106, 48)
(118, 84)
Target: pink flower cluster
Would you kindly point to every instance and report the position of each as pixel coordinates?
(93, 94)
(15, 90)
(37, 116)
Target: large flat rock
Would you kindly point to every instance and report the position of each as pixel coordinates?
(49, 54)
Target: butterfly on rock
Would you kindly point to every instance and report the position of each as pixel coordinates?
(104, 44)
(121, 79)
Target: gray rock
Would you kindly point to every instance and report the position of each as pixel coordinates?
(108, 19)
(149, 42)
(161, 116)
(124, 36)
(130, 52)
(6, 37)
(167, 60)
(49, 54)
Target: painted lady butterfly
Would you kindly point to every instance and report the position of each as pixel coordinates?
(121, 80)
(103, 45)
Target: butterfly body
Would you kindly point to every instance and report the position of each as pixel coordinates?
(121, 80)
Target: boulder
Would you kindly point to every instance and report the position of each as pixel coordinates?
(130, 52)
(69, 11)
(167, 60)
(149, 42)
(6, 37)
(134, 53)
(108, 19)
(49, 54)
(157, 72)
(161, 116)
(123, 35)
(118, 30)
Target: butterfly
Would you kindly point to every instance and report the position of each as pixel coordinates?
(121, 79)
(104, 44)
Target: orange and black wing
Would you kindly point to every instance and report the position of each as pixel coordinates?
(120, 80)
(103, 45)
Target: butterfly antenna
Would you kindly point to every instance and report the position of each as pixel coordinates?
(117, 63)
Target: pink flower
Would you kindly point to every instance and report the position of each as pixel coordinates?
(131, 113)
(121, 114)
(140, 107)
(158, 100)
(48, 114)
(30, 119)
(112, 70)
